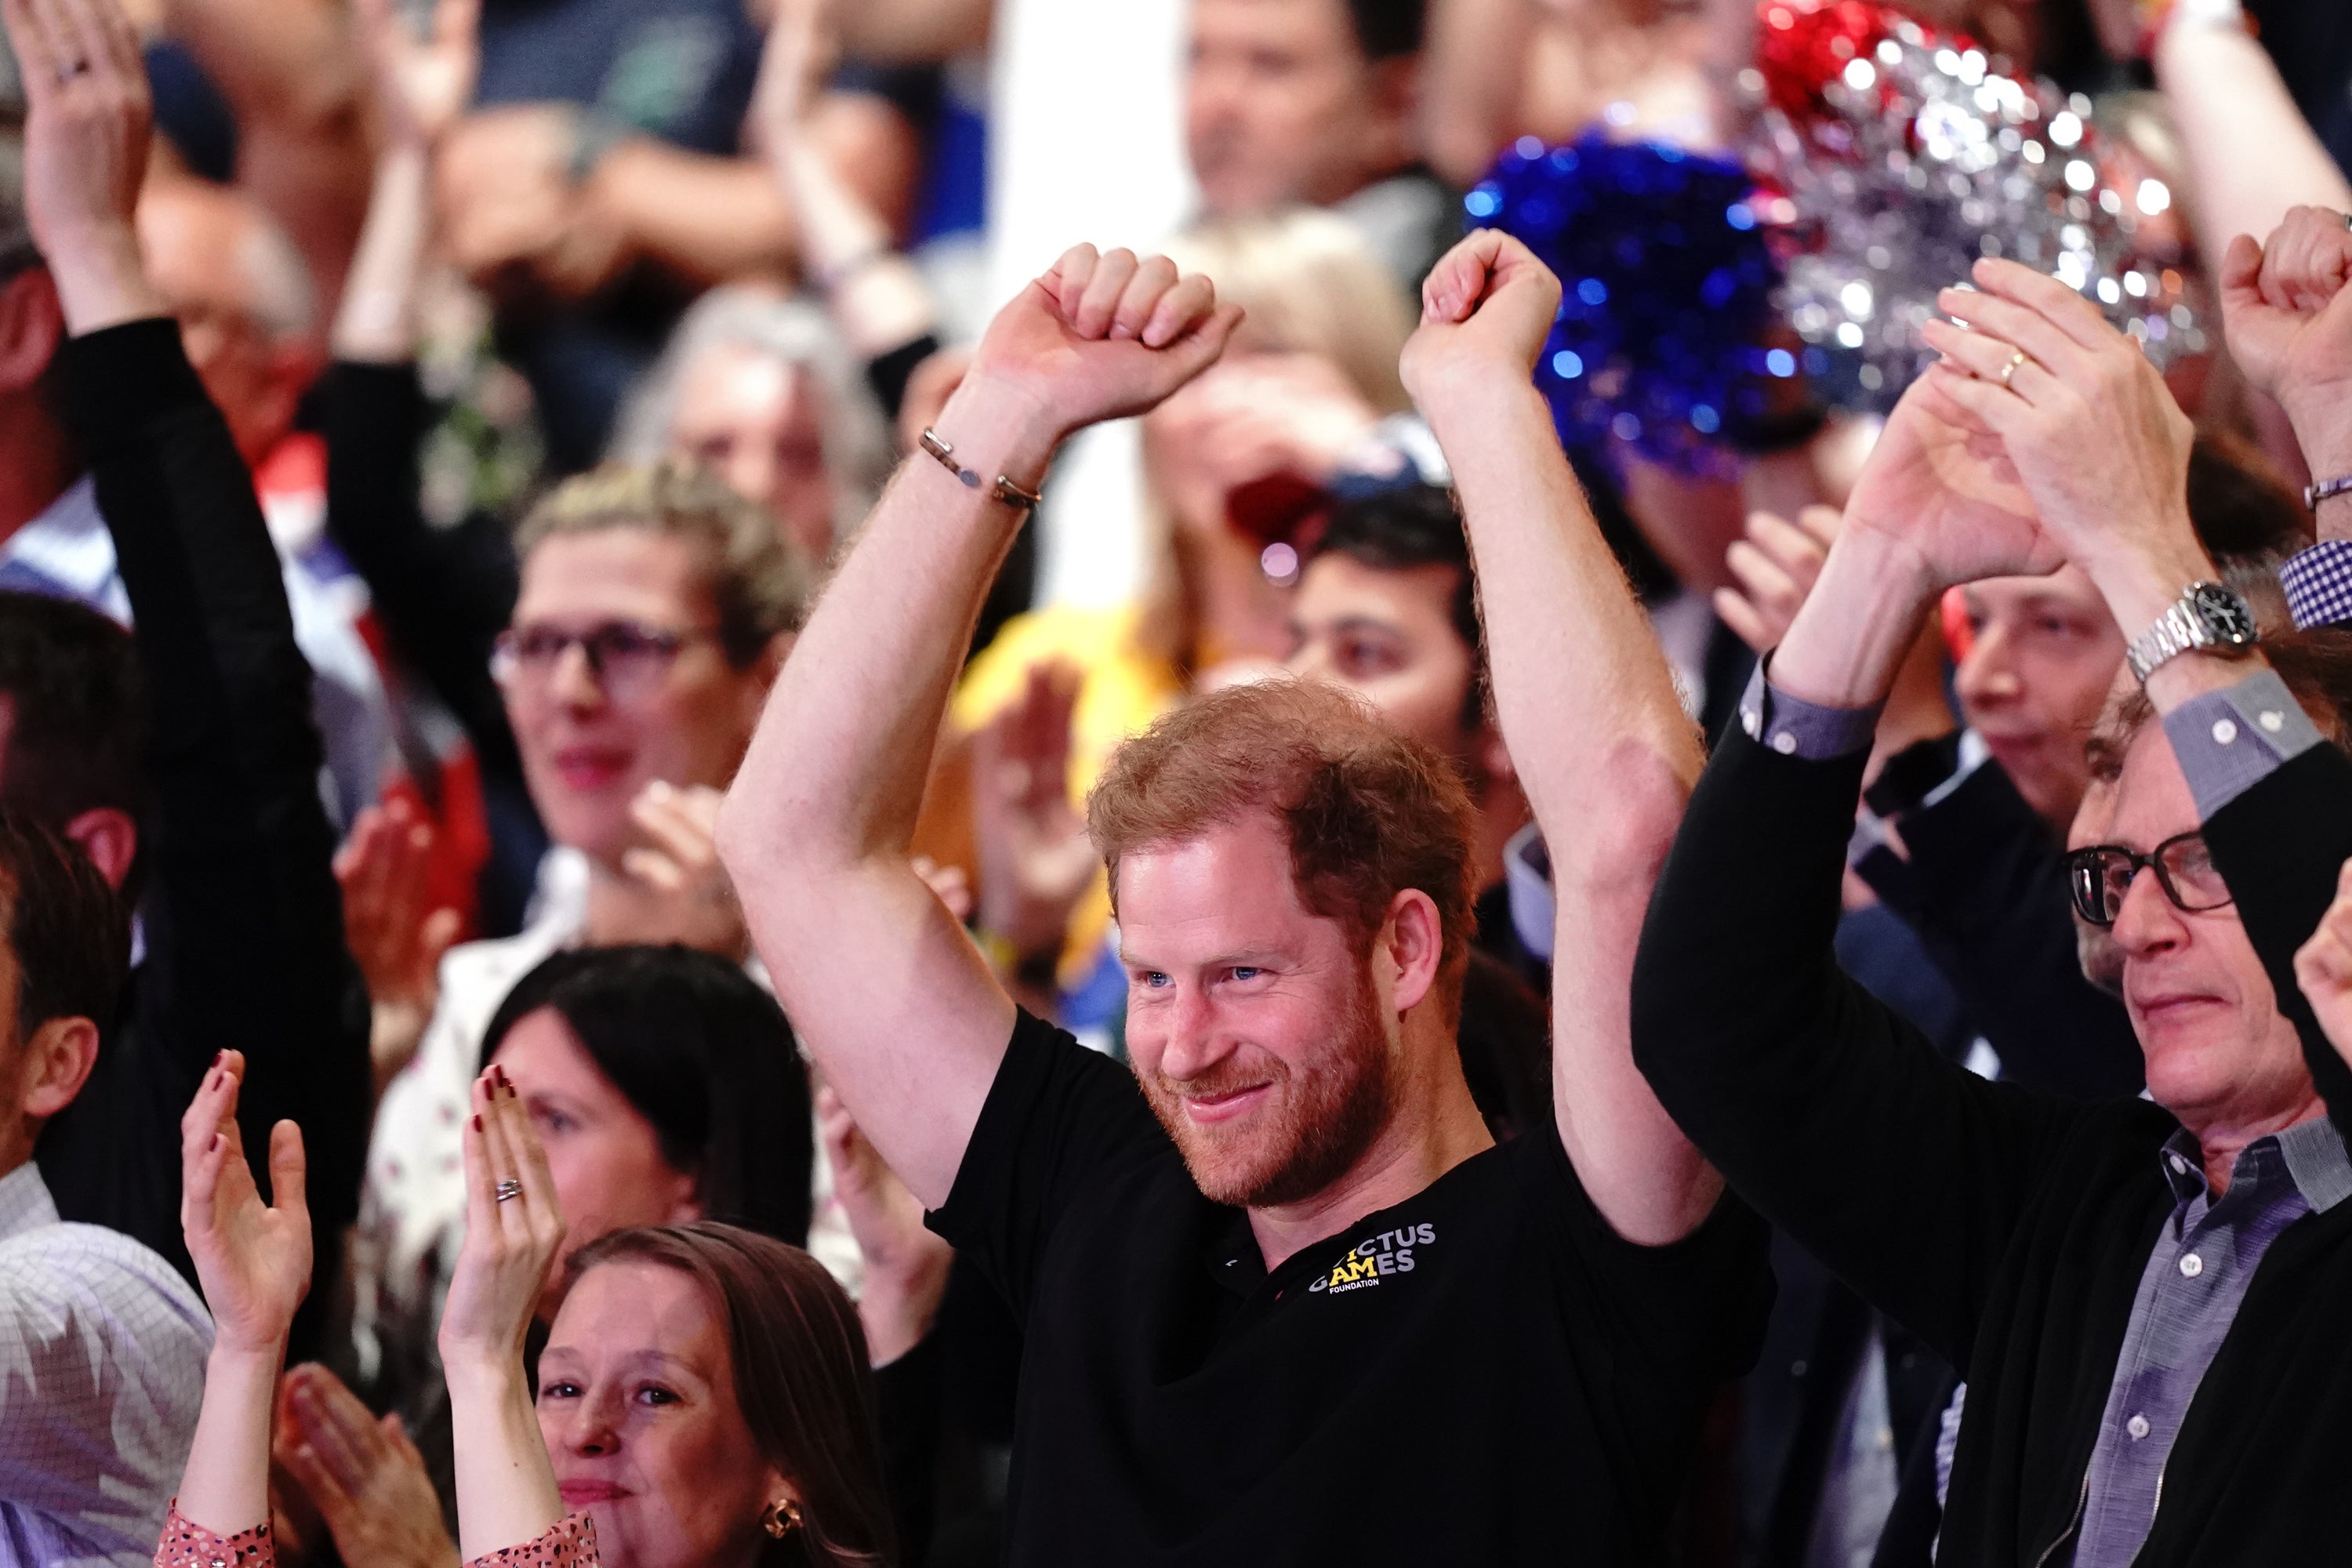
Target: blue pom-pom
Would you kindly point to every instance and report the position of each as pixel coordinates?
(1667, 292)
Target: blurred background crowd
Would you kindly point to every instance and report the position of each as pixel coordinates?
(567, 341)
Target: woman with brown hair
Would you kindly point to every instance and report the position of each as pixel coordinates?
(704, 1397)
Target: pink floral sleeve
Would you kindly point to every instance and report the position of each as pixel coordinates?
(571, 1543)
(190, 1545)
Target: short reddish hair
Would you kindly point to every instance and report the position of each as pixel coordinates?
(1368, 812)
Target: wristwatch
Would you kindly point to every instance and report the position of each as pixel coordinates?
(2209, 616)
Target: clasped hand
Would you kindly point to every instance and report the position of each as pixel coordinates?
(2093, 451)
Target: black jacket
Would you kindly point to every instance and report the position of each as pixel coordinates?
(242, 918)
(2008, 1229)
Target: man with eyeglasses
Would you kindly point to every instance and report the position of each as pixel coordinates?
(2146, 1298)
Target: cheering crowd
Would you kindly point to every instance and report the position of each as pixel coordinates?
(615, 958)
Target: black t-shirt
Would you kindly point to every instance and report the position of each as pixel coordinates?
(1485, 1374)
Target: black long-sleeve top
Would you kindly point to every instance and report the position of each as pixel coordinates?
(2008, 1229)
(241, 916)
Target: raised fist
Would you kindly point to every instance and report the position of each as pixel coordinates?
(2287, 314)
(1103, 337)
(1485, 309)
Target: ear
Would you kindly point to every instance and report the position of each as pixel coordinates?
(110, 838)
(32, 325)
(1415, 942)
(57, 1062)
(686, 1199)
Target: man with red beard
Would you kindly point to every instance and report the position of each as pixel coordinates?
(1289, 1302)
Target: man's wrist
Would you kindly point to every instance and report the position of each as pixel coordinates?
(998, 425)
(2139, 586)
(1851, 635)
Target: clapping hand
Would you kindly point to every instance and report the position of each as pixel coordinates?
(906, 1264)
(382, 870)
(364, 1476)
(2323, 968)
(252, 1259)
(1035, 859)
(1485, 309)
(2098, 444)
(514, 1230)
(86, 112)
(1102, 336)
(421, 83)
(1775, 565)
(686, 896)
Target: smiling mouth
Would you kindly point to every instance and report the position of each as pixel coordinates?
(579, 1494)
(1206, 1109)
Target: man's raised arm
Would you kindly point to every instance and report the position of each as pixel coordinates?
(894, 1002)
(1597, 737)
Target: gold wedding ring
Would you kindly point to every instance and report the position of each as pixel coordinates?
(2010, 368)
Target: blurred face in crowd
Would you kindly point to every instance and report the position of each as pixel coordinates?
(593, 741)
(636, 1403)
(2100, 960)
(1254, 1024)
(216, 264)
(1281, 106)
(2219, 1054)
(759, 422)
(606, 1156)
(2042, 655)
(1388, 636)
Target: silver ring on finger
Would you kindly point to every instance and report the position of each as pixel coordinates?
(510, 1188)
(2009, 369)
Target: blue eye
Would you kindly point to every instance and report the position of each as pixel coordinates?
(1244, 972)
(1152, 979)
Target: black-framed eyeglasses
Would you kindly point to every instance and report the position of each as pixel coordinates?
(627, 659)
(2102, 874)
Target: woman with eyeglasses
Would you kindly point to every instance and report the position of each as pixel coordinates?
(703, 1400)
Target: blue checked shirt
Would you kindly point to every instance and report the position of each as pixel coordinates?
(2319, 584)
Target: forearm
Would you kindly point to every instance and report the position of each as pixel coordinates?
(376, 324)
(2250, 153)
(704, 218)
(1606, 755)
(1578, 676)
(1857, 626)
(876, 297)
(896, 32)
(842, 751)
(225, 1487)
(506, 1486)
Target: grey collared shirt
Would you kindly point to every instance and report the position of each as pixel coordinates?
(2188, 1295)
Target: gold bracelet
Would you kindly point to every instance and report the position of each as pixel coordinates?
(1004, 490)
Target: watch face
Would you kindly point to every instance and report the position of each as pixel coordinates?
(2224, 613)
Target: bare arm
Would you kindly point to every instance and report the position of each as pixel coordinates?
(705, 217)
(875, 296)
(896, 32)
(1597, 735)
(1471, 76)
(895, 1005)
(2250, 154)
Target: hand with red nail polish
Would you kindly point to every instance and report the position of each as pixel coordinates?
(252, 1259)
